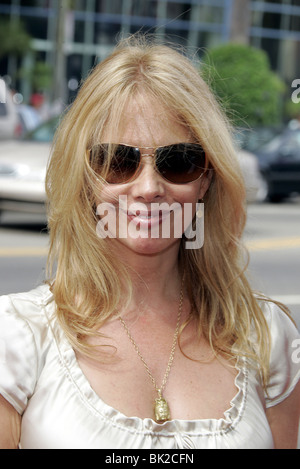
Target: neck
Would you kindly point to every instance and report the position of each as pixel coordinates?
(155, 277)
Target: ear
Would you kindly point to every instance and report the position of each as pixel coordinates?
(205, 183)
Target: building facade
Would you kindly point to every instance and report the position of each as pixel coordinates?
(73, 35)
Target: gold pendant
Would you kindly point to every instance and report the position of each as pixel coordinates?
(161, 409)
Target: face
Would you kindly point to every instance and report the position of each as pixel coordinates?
(148, 215)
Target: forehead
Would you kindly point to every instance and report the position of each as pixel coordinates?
(146, 122)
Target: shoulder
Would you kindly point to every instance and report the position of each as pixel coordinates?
(24, 341)
(284, 353)
(283, 331)
(27, 307)
(25, 319)
(18, 301)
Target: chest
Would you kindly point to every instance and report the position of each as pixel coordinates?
(196, 385)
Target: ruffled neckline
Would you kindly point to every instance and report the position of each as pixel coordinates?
(197, 427)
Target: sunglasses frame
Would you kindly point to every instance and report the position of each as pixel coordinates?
(153, 154)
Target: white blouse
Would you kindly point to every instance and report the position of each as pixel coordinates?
(41, 378)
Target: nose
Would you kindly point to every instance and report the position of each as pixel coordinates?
(148, 185)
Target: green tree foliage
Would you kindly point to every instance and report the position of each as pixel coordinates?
(241, 77)
(14, 38)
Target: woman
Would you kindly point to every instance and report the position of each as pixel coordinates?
(140, 341)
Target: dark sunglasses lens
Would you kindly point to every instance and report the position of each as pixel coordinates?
(181, 163)
(117, 164)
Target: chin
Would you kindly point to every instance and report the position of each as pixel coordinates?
(148, 246)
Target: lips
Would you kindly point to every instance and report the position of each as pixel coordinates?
(148, 218)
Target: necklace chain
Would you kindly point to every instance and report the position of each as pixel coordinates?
(170, 362)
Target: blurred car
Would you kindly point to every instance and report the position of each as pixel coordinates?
(23, 168)
(249, 141)
(252, 139)
(29, 118)
(279, 163)
(9, 120)
(256, 189)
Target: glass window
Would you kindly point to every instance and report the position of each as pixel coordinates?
(35, 3)
(36, 26)
(295, 23)
(79, 5)
(272, 47)
(208, 39)
(178, 36)
(79, 31)
(271, 20)
(147, 8)
(109, 6)
(179, 11)
(141, 29)
(105, 33)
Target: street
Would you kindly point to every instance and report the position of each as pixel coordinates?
(272, 236)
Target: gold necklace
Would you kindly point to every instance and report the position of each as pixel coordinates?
(161, 407)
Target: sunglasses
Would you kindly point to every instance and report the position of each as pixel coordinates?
(119, 163)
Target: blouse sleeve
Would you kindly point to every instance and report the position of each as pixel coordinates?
(285, 356)
(18, 356)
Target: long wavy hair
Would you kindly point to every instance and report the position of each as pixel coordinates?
(87, 279)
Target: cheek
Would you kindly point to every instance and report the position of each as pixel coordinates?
(107, 202)
(108, 194)
(188, 193)
(187, 196)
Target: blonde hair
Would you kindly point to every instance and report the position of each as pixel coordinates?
(89, 280)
